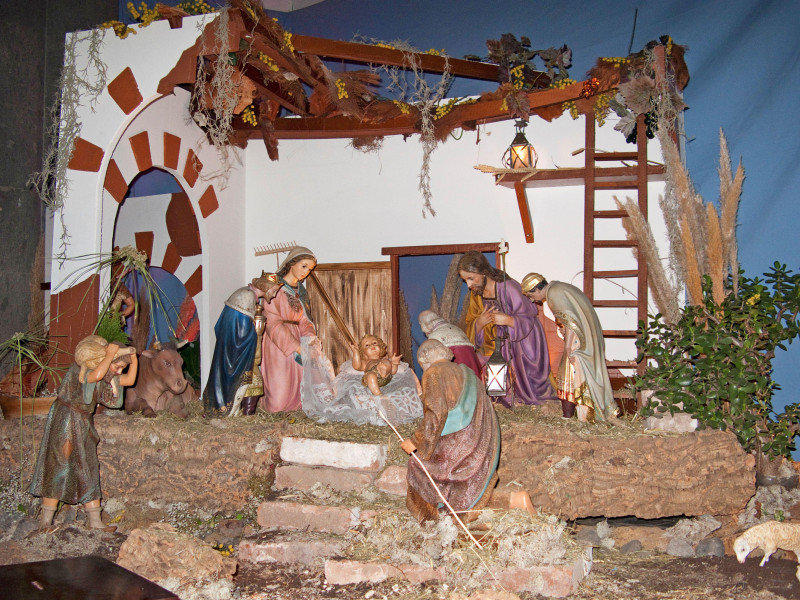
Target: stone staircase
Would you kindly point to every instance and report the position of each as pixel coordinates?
(325, 490)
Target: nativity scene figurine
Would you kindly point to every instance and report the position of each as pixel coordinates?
(457, 441)
(370, 356)
(499, 313)
(583, 379)
(67, 469)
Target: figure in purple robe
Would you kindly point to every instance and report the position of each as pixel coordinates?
(499, 310)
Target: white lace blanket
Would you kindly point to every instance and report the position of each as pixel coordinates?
(326, 397)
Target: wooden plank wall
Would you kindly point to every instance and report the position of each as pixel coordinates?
(362, 293)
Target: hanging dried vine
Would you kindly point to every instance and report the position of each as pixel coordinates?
(79, 84)
(408, 84)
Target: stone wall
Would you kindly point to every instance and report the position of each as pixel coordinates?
(206, 464)
(646, 476)
(212, 464)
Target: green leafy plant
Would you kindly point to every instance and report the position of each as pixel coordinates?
(109, 327)
(716, 361)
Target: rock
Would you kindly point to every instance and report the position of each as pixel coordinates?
(680, 548)
(694, 530)
(646, 476)
(8, 521)
(341, 455)
(631, 547)
(712, 546)
(345, 572)
(552, 581)
(393, 480)
(651, 538)
(588, 535)
(159, 552)
(226, 533)
(679, 423)
(288, 551)
(603, 529)
(485, 594)
(24, 528)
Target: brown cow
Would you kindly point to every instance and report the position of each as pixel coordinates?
(160, 384)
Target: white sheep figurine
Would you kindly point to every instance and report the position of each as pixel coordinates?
(769, 537)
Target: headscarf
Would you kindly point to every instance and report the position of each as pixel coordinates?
(295, 254)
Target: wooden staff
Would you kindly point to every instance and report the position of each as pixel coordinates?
(337, 318)
(433, 483)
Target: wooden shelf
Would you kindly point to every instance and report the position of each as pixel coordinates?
(575, 176)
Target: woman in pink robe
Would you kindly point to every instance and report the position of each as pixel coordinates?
(288, 320)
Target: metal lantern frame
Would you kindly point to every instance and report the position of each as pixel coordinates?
(520, 154)
(497, 370)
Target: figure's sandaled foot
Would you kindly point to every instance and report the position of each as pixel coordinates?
(94, 521)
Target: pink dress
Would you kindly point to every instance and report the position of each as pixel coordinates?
(287, 322)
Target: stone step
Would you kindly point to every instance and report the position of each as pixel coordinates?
(551, 581)
(302, 478)
(346, 572)
(287, 548)
(340, 455)
(276, 515)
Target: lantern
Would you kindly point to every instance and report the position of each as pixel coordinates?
(520, 154)
(496, 372)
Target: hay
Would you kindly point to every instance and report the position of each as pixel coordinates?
(510, 539)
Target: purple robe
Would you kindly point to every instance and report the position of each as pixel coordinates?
(525, 347)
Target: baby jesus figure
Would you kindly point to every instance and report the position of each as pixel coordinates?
(370, 356)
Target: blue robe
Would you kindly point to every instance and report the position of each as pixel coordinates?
(233, 357)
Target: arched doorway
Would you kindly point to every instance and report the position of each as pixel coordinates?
(156, 217)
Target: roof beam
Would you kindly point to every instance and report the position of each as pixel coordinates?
(371, 54)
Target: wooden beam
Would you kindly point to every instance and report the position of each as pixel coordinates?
(438, 249)
(265, 91)
(575, 176)
(371, 54)
(488, 111)
(524, 211)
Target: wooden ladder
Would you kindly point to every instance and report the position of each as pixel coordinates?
(627, 177)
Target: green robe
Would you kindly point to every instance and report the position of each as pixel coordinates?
(67, 467)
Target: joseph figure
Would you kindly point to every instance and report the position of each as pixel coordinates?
(499, 310)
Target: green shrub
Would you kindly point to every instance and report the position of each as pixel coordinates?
(716, 362)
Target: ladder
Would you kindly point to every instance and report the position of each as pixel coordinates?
(630, 176)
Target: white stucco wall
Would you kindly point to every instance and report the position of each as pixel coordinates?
(343, 204)
(346, 205)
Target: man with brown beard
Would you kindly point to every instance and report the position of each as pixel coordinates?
(498, 308)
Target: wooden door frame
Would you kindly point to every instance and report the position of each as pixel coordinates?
(394, 254)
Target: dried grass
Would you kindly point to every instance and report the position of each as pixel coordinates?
(694, 280)
(714, 252)
(664, 293)
(730, 191)
(510, 538)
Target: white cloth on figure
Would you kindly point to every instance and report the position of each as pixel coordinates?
(343, 397)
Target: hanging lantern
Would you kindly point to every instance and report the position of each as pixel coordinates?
(520, 154)
(496, 372)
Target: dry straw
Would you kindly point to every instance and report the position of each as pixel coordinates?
(702, 240)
